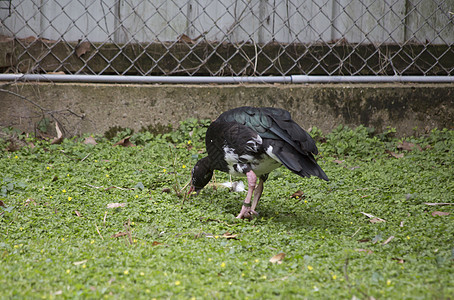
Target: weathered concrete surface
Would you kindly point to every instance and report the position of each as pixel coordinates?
(403, 106)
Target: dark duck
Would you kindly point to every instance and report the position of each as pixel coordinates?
(251, 142)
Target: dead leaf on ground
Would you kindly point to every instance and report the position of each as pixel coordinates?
(166, 190)
(407, 146)
(82, 48)
(388, 240)
(374, 218)
(2, 204)
(76, 263)
(398, 260)
(364, 240)
(441, 204)
(59, 137)
(90, 141)
(119, 234)
(125, 142)
(365, 250)
(115, 205)
(229, 236)
(368, 215)
(156, 243)
(395, 155)
(78, 213)
(297, 194)
(278, 258)
(339, 161)
(440, 213)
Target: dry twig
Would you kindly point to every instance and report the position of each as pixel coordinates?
(97, 229)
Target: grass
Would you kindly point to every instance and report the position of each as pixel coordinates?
(57, 232)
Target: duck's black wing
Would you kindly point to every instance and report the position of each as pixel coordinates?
(293, 146)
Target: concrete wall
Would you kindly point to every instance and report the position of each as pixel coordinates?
(404, 106)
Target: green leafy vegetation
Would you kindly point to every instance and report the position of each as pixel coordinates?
(87, 220)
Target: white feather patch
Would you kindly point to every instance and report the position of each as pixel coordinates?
(230, 156)
(253, 145)
(260, 165)
(236, 186)
(270, 153)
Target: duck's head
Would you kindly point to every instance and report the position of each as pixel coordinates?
(201, 175)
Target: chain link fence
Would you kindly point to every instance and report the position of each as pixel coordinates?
(227, 38)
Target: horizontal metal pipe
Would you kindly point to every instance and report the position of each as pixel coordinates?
(372, 79)
(222, 79)
(142, 79)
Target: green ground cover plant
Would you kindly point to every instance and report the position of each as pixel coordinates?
(87, 219)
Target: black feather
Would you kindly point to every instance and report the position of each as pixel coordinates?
(239, 139)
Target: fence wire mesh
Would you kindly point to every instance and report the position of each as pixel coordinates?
(229, 37)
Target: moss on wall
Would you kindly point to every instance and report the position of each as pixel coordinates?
(97, 107)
